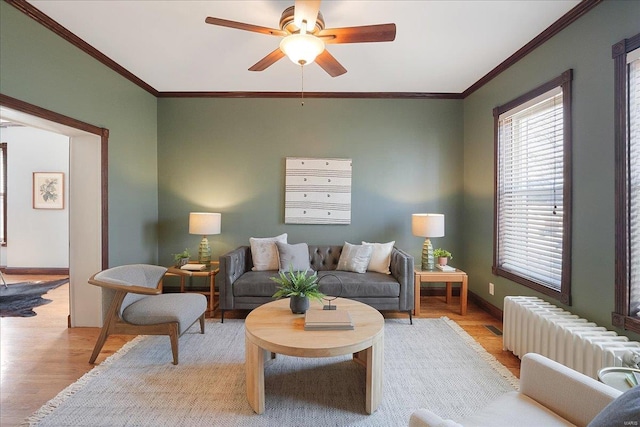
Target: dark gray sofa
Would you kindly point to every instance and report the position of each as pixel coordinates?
(242, 288)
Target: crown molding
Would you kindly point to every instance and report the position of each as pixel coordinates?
(347, 95)
(583, 7)
(567, 19)
(49, 23)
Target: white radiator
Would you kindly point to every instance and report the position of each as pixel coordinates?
(532, 325)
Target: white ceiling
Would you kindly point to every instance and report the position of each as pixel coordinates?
(440, 47)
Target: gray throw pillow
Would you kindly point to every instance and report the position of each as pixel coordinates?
(293, 256)
(623, 411)
(355, 258)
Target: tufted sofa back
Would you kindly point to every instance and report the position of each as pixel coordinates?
(324, 257)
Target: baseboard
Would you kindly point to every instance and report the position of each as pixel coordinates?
(35, 271)
(486, 305)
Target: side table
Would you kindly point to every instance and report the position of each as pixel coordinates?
(210, 272)
(437, 276)
(616, 377)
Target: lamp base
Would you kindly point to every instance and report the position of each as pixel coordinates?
(204, 251)
(427, 256)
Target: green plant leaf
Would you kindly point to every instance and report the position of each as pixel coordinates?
(297, 283)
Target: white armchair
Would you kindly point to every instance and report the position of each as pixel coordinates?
(550, 394)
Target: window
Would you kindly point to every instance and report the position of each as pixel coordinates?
(532, 198)
(3, 193)
(626, 55)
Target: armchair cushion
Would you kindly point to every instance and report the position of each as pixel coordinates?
(166, 308)
(510, 409)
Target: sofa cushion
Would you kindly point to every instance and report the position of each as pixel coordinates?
(255, 284)
(354, 285)
(264, 252)
(354, 258)
(358, 285)
(294, 257)
(380, 257)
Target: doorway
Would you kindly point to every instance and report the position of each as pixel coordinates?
(88, 224)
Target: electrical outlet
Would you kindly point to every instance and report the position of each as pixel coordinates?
(491, 288)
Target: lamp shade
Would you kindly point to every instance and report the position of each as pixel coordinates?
(204, 223)
(302, 48)
(427, 225)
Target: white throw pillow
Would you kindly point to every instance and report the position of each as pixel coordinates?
(380, 257)
(354, 258)
(265, 253)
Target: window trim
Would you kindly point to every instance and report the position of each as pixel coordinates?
(564, 294)
(620, 317)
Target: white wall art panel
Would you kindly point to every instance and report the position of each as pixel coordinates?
(317, 191)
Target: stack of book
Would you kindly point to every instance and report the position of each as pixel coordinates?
(445, 267)
(194, 267)
(327, 320)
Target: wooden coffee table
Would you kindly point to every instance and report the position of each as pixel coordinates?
(272, 329)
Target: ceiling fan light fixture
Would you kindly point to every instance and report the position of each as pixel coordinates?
(302, 49)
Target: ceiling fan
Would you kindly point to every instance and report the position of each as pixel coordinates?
(304, 36)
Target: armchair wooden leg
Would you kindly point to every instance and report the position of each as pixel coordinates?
(102, 338)
(108, 324)
(173, 336)
(202, 324)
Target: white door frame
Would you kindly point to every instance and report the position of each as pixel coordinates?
(88, 209)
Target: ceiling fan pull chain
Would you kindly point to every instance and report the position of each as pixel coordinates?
(302, 85)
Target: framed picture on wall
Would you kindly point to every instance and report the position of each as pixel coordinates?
(48, 190)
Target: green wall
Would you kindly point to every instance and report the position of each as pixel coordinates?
(228, 156)
(41, 68)
(585, 46)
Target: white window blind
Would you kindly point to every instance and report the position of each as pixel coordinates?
(634, 179)
(530, 189)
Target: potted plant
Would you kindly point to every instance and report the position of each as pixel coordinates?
(181, 258)
(299, 286)
(443, 256)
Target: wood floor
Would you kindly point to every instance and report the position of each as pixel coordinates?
(40, 356)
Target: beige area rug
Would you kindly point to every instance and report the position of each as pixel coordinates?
(432, 364)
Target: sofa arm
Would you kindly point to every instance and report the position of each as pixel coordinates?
(570, 394)
(426, 418)
(232, 265)
(401, 268)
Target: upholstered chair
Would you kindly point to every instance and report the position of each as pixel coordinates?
(133, 304)
(550, 394)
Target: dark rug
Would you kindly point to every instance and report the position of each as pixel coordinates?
(19, 299)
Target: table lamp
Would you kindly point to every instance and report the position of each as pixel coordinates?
(427, 225)
(204, 224)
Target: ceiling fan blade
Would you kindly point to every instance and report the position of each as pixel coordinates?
(364, 34)
(306, 10)
(330, 64)
(247, 27)
(267, 61)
